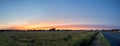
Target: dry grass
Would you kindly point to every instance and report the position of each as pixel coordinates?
(45, 38)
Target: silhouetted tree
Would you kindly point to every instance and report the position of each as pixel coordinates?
(52, 29)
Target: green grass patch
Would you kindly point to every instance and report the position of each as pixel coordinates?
(86, 40)
(103, 40)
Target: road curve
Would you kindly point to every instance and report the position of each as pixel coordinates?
(113, 38)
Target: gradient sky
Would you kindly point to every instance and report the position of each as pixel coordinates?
(72, 14)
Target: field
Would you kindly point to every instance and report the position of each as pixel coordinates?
(46, 38)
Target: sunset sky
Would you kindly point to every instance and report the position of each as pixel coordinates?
(60, 14)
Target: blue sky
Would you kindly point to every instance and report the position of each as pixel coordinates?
(91, 12)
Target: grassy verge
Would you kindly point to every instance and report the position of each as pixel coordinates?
(103, 40)
(85, 40)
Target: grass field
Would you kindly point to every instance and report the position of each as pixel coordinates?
(46, 38)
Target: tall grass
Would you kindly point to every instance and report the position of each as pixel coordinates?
(85, 40)
(46, 38)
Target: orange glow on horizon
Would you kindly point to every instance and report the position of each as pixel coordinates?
(46, 27)
(50, 24)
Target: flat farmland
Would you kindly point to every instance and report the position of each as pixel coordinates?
(38, 38)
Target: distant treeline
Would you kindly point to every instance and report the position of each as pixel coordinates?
(54, 29)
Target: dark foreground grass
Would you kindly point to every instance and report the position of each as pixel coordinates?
(46, 38)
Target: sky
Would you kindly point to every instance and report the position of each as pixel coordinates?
(61, 14)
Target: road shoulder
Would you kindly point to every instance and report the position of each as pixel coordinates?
(100, 40)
